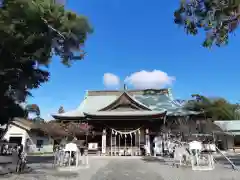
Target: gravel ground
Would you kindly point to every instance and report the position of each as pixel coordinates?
(123, 168)
(221, 172)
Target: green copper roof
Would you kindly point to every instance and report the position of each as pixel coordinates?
(126, 113)
(160, 102)
(89, 104)
(156, 102)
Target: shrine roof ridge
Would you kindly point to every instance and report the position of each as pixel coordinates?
(129, 91)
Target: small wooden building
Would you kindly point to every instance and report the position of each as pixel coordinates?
(29, 134)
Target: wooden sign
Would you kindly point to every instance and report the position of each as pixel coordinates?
(92, 146)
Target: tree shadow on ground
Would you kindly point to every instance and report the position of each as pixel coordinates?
(234, 159)
(40, 159)
(64, 174)
(153, 159)
(40, 173)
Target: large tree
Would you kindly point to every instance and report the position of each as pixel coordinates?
(214, 108)
(32, 108)
(31, 32)
(218, 18)
(61, 110)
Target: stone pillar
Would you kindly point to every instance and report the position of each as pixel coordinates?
(104, 133)
(147, 142)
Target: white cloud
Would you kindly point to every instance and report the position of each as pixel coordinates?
(149, 79)
(111, 80)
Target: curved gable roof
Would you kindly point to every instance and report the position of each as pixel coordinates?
(127, 101)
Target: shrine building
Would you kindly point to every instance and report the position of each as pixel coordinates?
(124, 121)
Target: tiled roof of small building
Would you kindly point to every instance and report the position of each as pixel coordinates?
(52, 128)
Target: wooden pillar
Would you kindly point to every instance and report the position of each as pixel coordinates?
(131, 145)
(111, 143)
(115, 142)
(139, 141)
(125, 144)
(119, 139)
(104, 133)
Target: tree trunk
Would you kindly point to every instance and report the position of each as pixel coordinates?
(6, 129)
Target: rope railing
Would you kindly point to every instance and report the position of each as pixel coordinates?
(234, 167)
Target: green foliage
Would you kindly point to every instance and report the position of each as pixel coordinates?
(31, 32)
(61, 110)
(33, 108)
(215, 108)
(217, 18)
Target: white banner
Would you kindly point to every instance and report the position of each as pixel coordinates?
(147, 144)
(103, 144)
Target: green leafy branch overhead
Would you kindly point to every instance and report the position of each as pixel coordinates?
(27, 23)
(31, 32)
(218, 18)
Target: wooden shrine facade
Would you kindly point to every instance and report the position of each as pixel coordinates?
(123, 127)
(126, 126)
(124, 122)
(125, 135)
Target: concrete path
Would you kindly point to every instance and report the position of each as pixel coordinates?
(121, 168)
(126, 169)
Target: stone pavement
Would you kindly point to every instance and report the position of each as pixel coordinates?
(126, 168)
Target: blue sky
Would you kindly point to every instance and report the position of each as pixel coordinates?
(134, 35)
